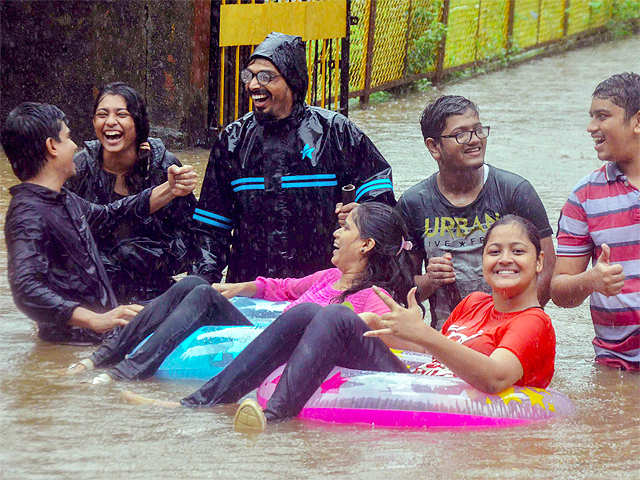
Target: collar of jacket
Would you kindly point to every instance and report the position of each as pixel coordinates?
(42, 192)
(140, 170)
(289, 123)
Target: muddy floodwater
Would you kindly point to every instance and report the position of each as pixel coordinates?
(55, 427)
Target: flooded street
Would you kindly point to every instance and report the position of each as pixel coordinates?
(57, 427)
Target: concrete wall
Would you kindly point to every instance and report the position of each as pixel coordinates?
(60, 52)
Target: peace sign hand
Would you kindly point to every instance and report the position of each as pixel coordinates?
(405, 323)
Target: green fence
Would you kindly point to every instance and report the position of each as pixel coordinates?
(394, 42)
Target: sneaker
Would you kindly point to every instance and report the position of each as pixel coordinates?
(249, 417)
(102, 379)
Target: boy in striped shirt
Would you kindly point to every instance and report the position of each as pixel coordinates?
(601, 222)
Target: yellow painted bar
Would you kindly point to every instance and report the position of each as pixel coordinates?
(237, 100)
(251, 99)
(336, 71)
(221, 102)
(323, 59)
(248, 24)
(309, 64)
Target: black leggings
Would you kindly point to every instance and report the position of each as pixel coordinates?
(312, 340)
(171, 317)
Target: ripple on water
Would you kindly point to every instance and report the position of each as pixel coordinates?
(60, 427)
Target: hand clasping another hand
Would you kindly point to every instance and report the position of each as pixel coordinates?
(182, 180)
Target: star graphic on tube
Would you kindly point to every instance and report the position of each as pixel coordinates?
(333, 384)
(534, 398)
(307, 151)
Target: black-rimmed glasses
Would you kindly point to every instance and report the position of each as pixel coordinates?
(464, 138)
(263, 76)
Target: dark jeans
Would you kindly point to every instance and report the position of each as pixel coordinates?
(171, 317)
(312, 340)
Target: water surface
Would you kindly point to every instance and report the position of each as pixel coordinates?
(61, 428)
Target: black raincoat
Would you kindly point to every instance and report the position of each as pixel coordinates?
(140, 257)
(271, 186)
(53, 262)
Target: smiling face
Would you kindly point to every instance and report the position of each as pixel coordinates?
(114, 125)
(510, 264)
(348, 246)
(613, 135)
(451, 155)
(273, 100)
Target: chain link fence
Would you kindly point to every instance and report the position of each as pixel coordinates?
(394, 42)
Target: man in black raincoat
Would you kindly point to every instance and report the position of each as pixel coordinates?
(275, 176)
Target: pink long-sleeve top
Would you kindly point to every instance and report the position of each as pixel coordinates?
(317, 288)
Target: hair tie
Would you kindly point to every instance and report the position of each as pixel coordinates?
(405, 245)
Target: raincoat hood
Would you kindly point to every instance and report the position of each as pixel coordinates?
(287, 53)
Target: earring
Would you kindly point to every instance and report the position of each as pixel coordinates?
(362, 250)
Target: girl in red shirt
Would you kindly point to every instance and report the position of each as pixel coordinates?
(490, 341)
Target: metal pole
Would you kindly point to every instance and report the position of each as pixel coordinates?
(364, 99)
(512, 14)
(443, 43)
(214, 69)
(344, 65)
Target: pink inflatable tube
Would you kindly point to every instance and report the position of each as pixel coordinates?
(417, 401)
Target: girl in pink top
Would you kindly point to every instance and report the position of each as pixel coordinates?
(369, 250)
(312, 338)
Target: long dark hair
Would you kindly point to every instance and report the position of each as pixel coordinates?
(138, 179)
(135, 105)
(388, 265)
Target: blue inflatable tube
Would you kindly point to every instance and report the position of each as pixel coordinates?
(209, 349)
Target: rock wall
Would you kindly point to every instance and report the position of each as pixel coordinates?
(61, 52)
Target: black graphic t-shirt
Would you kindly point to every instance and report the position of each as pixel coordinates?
(436, 226)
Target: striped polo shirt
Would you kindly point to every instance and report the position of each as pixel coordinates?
(605, 208)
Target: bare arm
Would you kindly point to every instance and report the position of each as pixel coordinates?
(572, 282)
(230, 290)
(490, 374)
(181, 181)
(544, 278)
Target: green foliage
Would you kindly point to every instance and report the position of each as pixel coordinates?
(425, 36)
(423, 85)
(624, 18)
(380, 97)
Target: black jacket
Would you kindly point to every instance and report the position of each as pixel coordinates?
(53, 261)
(140, 257)
(270, 190)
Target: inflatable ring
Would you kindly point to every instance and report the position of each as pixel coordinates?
(209, 349)
(396, 400)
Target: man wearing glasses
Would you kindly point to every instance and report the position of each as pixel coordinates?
(448, 213)
(273, 182)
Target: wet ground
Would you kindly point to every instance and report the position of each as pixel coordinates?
(61, 428)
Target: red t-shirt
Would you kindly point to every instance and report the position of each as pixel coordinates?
(527, 334)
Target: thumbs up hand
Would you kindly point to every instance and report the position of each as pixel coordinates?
(607, 278)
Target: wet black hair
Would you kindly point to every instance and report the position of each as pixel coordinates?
(623, 89)
(434, 116)
(24, 136)
(388, 266)
(135, 105)
(529, 229)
